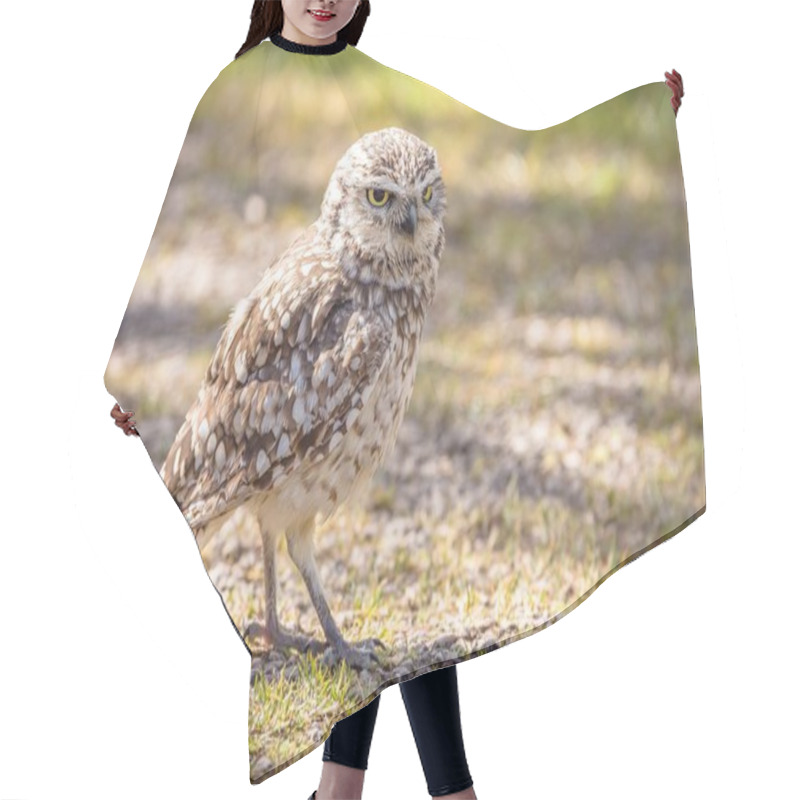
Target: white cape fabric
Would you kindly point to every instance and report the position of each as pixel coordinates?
(400, 361)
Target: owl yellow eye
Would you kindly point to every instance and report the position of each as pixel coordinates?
(428, 193)
(378, 197)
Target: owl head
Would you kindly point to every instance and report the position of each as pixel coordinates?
(384, 206)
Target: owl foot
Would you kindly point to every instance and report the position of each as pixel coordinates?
(281, 638)
(373, 642)
(358, 655)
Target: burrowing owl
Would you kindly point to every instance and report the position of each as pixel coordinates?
(314, 370)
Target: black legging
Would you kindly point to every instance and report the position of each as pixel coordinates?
(433, 711)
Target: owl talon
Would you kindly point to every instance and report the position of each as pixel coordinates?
(359, 655)
(281, 638)
(358, 659)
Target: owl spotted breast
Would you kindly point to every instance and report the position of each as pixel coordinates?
(314, 371)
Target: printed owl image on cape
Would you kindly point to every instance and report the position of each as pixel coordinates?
(419, 381)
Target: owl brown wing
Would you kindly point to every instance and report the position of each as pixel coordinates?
(293, 370)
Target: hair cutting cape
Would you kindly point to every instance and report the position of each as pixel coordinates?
(554, 432)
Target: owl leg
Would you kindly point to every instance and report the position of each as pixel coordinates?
(300, 541)
(273, 632)
(270, 601)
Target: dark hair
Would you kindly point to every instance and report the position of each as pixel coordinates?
(266, 19)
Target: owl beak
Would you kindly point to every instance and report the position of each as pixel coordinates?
(409, 224)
